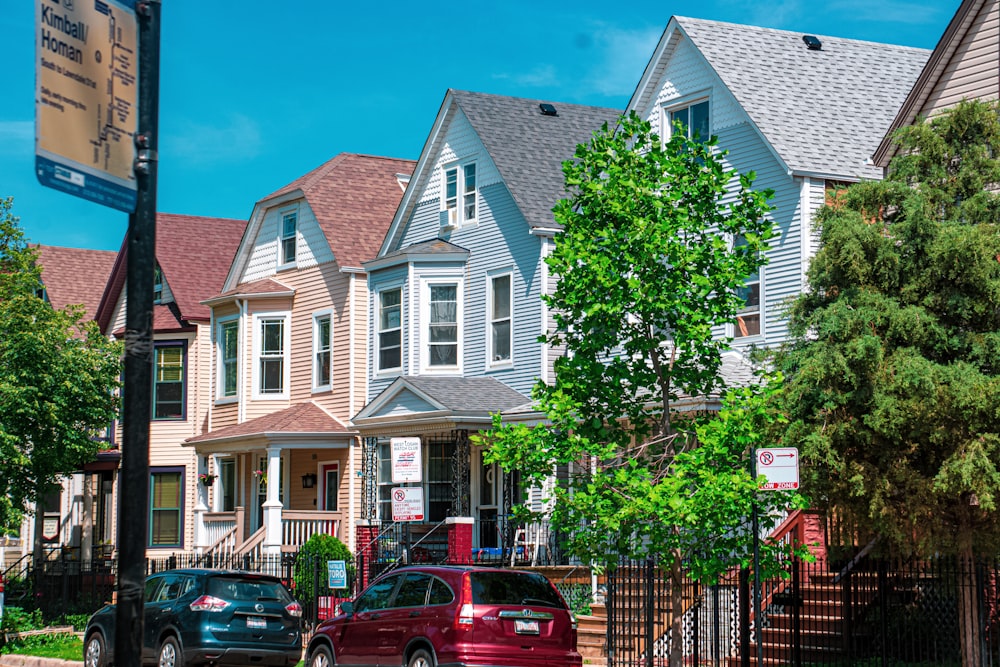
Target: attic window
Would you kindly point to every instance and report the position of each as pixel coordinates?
(548, 109)
(812, 42)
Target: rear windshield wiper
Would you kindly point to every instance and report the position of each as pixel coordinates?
(541, 602)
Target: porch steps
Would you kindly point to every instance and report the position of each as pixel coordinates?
(592, 636)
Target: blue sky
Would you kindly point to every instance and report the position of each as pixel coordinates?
(255, 94)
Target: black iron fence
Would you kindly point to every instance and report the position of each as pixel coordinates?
(876, 612)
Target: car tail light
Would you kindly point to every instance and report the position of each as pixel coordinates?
(208, 603)
(294, 609)
(464, 619)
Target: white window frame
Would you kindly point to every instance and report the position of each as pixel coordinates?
(377, 361)
(258, 320)
(157, 284)
(667, 127)
(491, 360)
(734, 328)
(283, 215)
(318, 316)
(220, 375)
(454, 209)
(425, 317)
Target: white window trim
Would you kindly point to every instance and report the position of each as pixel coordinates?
(316, 387)
(503, 363)
(425, 300)
(220, 397)
(282, 213)
(666, 128)
(377, 322)
(457, 219)
(731, 328)
(257, 344)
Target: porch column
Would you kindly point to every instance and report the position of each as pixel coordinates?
(272, 506)
(200, 507)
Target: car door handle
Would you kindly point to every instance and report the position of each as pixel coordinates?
(414, 613)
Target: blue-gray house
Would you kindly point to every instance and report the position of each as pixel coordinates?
(455, 302)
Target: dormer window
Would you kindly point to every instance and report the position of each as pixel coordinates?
(459, 203)
(157, 284)
(289, 226)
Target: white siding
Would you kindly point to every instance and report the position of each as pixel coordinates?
(972, 71)
(460, 143)
(311, 245)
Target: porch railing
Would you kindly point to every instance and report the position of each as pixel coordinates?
(297, 526)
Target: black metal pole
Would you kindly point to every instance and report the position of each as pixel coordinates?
(756, 564)
(133, 496)
(744, 617)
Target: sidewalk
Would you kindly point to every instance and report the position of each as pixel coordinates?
(12, 660)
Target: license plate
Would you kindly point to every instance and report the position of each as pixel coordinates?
(256, 623)
(522, 627)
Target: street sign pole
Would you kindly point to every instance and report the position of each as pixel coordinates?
(756, 560)
(134, 493)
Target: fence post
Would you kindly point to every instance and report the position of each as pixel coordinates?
(744, 617)
(797, 603)
(649, 612)
(846, 624)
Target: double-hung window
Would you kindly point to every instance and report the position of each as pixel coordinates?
(271, 344)
(692, 119)
(228, 347)
(442, 325)
(168, 380)
(288, 234)
(390, 329)
(166, 493)
(748, 316)
(321, 350)
(459, 200)
(500, 309)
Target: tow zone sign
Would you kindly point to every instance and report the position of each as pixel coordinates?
(780, 467)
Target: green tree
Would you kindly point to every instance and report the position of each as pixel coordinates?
(58, 375)
(894, 361)
(647, 271)
(311, 566)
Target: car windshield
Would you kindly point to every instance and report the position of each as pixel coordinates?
(238, 588)
(503, 588)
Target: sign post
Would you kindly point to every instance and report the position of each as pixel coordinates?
(86, 98)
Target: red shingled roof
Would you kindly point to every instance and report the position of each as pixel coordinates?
(300, 418)
(194, 254)
(354, 198)
(257, 287)
(75, 276)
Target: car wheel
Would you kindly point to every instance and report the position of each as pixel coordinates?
(170, 654)
(320, 657)
(94, 652)
(420, 658)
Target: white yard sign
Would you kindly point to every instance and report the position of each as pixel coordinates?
(780, 465)
(408, 503)
(406, 460)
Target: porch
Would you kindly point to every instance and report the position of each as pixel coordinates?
(224, 536)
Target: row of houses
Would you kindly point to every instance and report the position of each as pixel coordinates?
(376, 298)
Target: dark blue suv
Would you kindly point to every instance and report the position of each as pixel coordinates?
(197, 616)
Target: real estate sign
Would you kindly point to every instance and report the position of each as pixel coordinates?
(86, 93)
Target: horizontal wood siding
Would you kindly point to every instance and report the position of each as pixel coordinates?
(395, 276)
(973, 70)
(311, 245)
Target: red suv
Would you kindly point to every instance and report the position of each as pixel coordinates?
(423, 616)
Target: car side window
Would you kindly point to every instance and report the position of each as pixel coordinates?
(440, 593)
(413, 591)
(171, 588)
(378, 595)
(152, 585)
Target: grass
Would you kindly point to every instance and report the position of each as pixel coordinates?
(62, 646)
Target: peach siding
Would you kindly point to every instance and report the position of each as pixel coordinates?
(972, 71)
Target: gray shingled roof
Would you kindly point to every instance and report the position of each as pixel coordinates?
(467, 394)
(528, 147)
(824, 112)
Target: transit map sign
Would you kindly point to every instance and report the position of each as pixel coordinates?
(780, 465)
(86, 98)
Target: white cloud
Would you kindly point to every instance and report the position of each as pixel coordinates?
(17, 137)
(542, 76)
(234, 139)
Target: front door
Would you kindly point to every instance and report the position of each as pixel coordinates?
(488, 494)
(330, 489)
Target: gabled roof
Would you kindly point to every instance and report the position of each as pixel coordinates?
(823, 111)
(298, 420)
(75, 276)
(527, 147)
(194, 254)
(433, 249)
(257, 288)
(353, 198)
(958, 28)
(472, 396)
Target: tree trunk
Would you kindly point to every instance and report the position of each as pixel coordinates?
(968, 602)
(676, 611)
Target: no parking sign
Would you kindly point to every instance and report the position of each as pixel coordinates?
(780, 465)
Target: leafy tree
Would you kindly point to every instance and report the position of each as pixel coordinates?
(647, 271)
(57, 380)
(894, 361)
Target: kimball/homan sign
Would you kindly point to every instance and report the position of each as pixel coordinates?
(86, 97)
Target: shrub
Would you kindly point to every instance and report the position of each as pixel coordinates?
(310, 565)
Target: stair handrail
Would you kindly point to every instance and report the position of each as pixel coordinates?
(849, 568)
